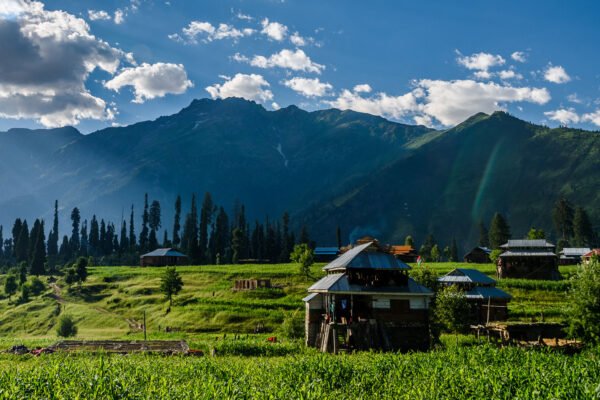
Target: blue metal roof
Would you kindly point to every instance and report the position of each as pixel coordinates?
(359, 258)
(338, 283)
(164, 252)
(465, 275)
(485, 292)
(326, 250)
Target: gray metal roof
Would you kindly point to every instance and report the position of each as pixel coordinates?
(358, 258)
(485, 292)
(464, 275)
(517, 253)
(575, 251)
(164, 252)
(338, 283)
(310, 297)
(526, 243)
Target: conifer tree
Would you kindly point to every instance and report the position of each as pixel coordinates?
(53, 236)
(102, 242)
(177, 222)
(499, 231)
(38, 259)
(132, 239)
(287, 246)
(75, 242)
(338, 236)
(304, 238)
(124, 241)
(144, 232)
(16, 232)
(484, 240)
(85, 245)
(583, 232)
(189, 239)
(64, 252)
(94, 237)
(562, 216)
(206, 215)
(22, 246)
(453, 251)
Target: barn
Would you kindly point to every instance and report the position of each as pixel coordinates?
(367, 301)
(479, 255)
(528, 259)
(488, 303)
(162, 258)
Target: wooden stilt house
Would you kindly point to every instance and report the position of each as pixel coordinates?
(367, 301)
(528, 259)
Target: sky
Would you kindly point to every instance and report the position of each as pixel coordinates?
(101, 63)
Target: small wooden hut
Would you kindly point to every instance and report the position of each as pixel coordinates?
(488, 303)
(162, 258)
(367, 301)
(479, 255)
(528, 259)
(572, 255)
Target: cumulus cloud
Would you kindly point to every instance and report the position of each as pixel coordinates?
(150, 81)
(47, 57)
(274, 30)
(563, 115)
(250, 87)
(509, 74)
(556, 74)
(297, 40)
(574, 98)
(98, 15)
(119, 17)
(363, 88)
(481, 61)
(288, 59)
(208, 32)
(519, 56)
(308, 87)
(449, 102)
(594, 117)
(9, 8)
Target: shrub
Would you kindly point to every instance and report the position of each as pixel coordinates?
(37, 286)
(66, 327)
(585, 302)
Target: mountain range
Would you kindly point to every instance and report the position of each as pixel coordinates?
(328, 168)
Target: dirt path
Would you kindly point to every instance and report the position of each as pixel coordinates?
(57, 293)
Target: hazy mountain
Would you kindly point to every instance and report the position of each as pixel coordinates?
(328, 168)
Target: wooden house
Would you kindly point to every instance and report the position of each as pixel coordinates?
(572, 255)
(488, 303)
(162, 258)
(326, 254)
(588, 256)
(404, 253)
(528, 259)
(367, 301)
(479, 255)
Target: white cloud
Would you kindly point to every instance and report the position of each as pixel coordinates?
(449, 102)
(483, 75)
(556, 74)
(98, 15)
(519, 56)
(274, 30)
(275, 106)
(250, 87)
(594, 117)
(574, 98)
(381, 104)
(244, 17)
(509, 74)
(47, 57)
(294, 60)
(299, 41)
(150, 81)
(563, 115)
(119, 17)
(480, 61)
(308, 87)
(210, 32)
(364, 88)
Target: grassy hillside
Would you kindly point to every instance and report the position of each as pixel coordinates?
(112, 302)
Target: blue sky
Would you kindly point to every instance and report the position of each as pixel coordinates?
(95, 64)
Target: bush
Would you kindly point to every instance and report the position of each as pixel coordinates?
(66, 327)
(37, 286)
(585, 303)
(426, 276)
(25, 290)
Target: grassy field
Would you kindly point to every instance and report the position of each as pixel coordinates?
(112, 302)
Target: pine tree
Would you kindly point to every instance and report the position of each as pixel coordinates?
(94, 238)
(33, 234)
(499, 231)
(304, 238)
(102, 242)
(236, 244)
(132, 238)
(16, 232)
(85, 243)
(75, 242)
(582, 229)
(221, 236)
(189, 239)
(166, 243)
(53, 236)
(338, 236)
(124, 241)
(206, 215)
(38, 259)
(286, 244)
(484, 240)
(152, 240)
(177, 222)
(562, 216)
(453, 251)
(64, 252)
(144, 232)
(22, 246)
(154, 223)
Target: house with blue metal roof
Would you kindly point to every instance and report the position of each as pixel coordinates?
(162, 258)
(488, 303)
(366, 300)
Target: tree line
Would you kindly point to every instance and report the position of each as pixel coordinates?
(206, 234)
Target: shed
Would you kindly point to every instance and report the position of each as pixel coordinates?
(479, 255)
(367, 301)
(163, 257)
(528, 259)
(488, 303)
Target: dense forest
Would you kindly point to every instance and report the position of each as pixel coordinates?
(208, 235)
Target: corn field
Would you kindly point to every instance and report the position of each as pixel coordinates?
(482, 372)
